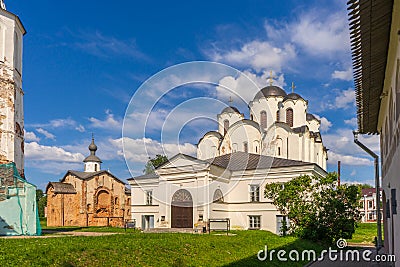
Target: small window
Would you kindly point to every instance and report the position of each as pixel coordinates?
(163, 218)
(254, 222)
(254, 193)
(370, 204)
(251, 117)
(279, 151)
(149, 197)
(289, 117)
(263, 119)
(226, 126)
(245, 147)
(277, 116)
(200, 217)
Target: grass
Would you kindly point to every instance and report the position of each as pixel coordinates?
(150, 249)
(365, 234)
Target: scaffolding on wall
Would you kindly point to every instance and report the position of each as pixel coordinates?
(18, 207)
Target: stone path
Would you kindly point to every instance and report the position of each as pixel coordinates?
(61, 234)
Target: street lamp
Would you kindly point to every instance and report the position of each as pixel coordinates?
(378, 193)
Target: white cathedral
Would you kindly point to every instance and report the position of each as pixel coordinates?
(279, 142)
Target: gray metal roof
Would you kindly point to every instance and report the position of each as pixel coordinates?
(230, 109)
(270, 91)
(62, 188)
(90, 175)
(370, 23)
(92, 157)
(238, 161)
(293, 96)
(145, 176)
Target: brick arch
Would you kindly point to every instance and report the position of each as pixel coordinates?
(103, 202)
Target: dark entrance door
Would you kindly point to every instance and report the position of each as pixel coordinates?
(182, 209)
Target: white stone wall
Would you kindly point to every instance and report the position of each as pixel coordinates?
(11, 93)
(232, 117)
(269, 105)
(299, 107)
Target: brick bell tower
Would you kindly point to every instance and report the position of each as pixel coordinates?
(11, 94)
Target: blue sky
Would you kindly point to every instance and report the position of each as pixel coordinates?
(84, 60)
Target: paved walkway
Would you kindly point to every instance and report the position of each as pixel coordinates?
(60, 234)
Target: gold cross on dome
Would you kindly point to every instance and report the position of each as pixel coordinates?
(271, 78)
(293, 87)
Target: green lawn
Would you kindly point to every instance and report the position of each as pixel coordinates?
(139, 249)
(365, 234)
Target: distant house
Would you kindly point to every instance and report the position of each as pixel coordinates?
(93, 197)
(375, 39)
(368, 204)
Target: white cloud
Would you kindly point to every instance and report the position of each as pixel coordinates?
(320, 34)
(100, 45)
(42, 153)
(342, 147)
(31, 136)
(258, 55)
(110, 122)
(346, 75)
(325, 124)
(349, 159)
(80, 128)
(351, 122)
(241, 88)
(353, 173)
(46, 133)
(139, 150)
(59, 123)
(346, 99)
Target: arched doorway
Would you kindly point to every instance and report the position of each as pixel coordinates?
(182, 209)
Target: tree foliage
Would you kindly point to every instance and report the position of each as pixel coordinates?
(154, 163)
(41, 200)
(318, 209)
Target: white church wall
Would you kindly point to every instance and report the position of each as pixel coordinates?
(232, 117)
(313, 125)
(269, 105)
(299, 108)
(244, 133)
(11, 37)
(208, 147)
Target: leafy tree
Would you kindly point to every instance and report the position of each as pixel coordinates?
(154, 163)
(318, 209)
(41, 200)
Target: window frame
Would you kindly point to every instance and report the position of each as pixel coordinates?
(254, 193)
(254, 222)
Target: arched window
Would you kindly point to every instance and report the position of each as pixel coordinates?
(16, 52)
(251, 117)
(277, 115)
(245, 147)
(289, 117)
(218, 196)
(263, 119)
(226, 126)
(18, 129)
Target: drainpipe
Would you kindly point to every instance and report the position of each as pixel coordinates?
(378, 193)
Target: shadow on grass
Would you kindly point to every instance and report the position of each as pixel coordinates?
(60, 229)
(298, 245)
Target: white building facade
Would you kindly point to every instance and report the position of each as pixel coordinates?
(233, 165)
(11, 93)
